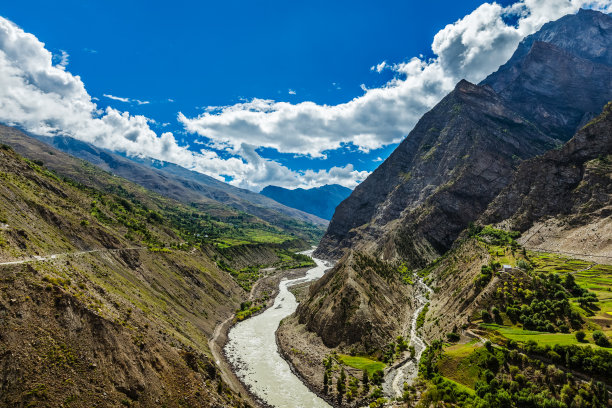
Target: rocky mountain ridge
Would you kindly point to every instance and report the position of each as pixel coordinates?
(560, 82)
(559, 78)
(454, 163)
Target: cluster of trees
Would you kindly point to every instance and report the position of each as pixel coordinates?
(508, 378)
(542, 303)
(247, 309)
(394, 349)
(494, 236)
(364, 263)
(421, 317)
(589, 360)
(348, 386)
(486, 273)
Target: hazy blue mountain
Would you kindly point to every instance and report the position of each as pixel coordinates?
(321, 201)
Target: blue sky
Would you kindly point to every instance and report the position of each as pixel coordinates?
(246, 59)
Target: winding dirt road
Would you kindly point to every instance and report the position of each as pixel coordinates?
(38, 258)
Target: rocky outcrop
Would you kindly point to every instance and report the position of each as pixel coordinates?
(574, 182)
(361, 300)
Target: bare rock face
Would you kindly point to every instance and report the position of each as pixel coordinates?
(561, 76)
(574, 181)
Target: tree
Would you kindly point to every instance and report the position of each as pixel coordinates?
(601, 339)
(325, 382)
(377, 377)
(580, 336)
(341, 384)
(365, 380)
(452, 337)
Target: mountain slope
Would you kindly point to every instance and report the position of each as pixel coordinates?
(321, 201)
(95, 307)
(443, 176)
(563, 199)
(170, 180)
(212, 199)
(554, 87)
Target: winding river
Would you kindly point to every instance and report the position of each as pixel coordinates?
(252, 350)
(408, 369)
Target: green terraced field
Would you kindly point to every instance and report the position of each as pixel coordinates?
(596, 278)
(362, 363)
(458, 365)
(520, 335)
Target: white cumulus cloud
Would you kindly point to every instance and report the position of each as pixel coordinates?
(40, 95)
(470, 48)
(126, 100)
(45, 99)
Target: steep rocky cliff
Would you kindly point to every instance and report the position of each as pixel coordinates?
(442, 176)
(556, 81)
(459, 157)
(561, 76)
(566, 189)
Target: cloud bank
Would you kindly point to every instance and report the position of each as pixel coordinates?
(470, 48)
(46, 99)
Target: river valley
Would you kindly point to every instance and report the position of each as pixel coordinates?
(253, 352)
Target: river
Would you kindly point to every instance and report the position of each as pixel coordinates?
(408, 369)
(252, 350)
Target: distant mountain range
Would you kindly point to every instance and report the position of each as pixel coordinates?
(321, 201)
(167, 179)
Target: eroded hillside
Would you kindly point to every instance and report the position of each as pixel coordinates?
(110, 298)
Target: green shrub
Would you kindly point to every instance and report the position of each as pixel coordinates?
(601, 339)
(452, 337)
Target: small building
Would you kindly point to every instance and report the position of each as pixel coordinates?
(506, 268)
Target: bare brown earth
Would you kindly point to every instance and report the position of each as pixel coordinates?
(592, 242)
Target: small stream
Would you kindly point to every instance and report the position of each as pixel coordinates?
(252, 350)
(408, 369)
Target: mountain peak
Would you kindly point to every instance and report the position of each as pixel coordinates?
(560, 76)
